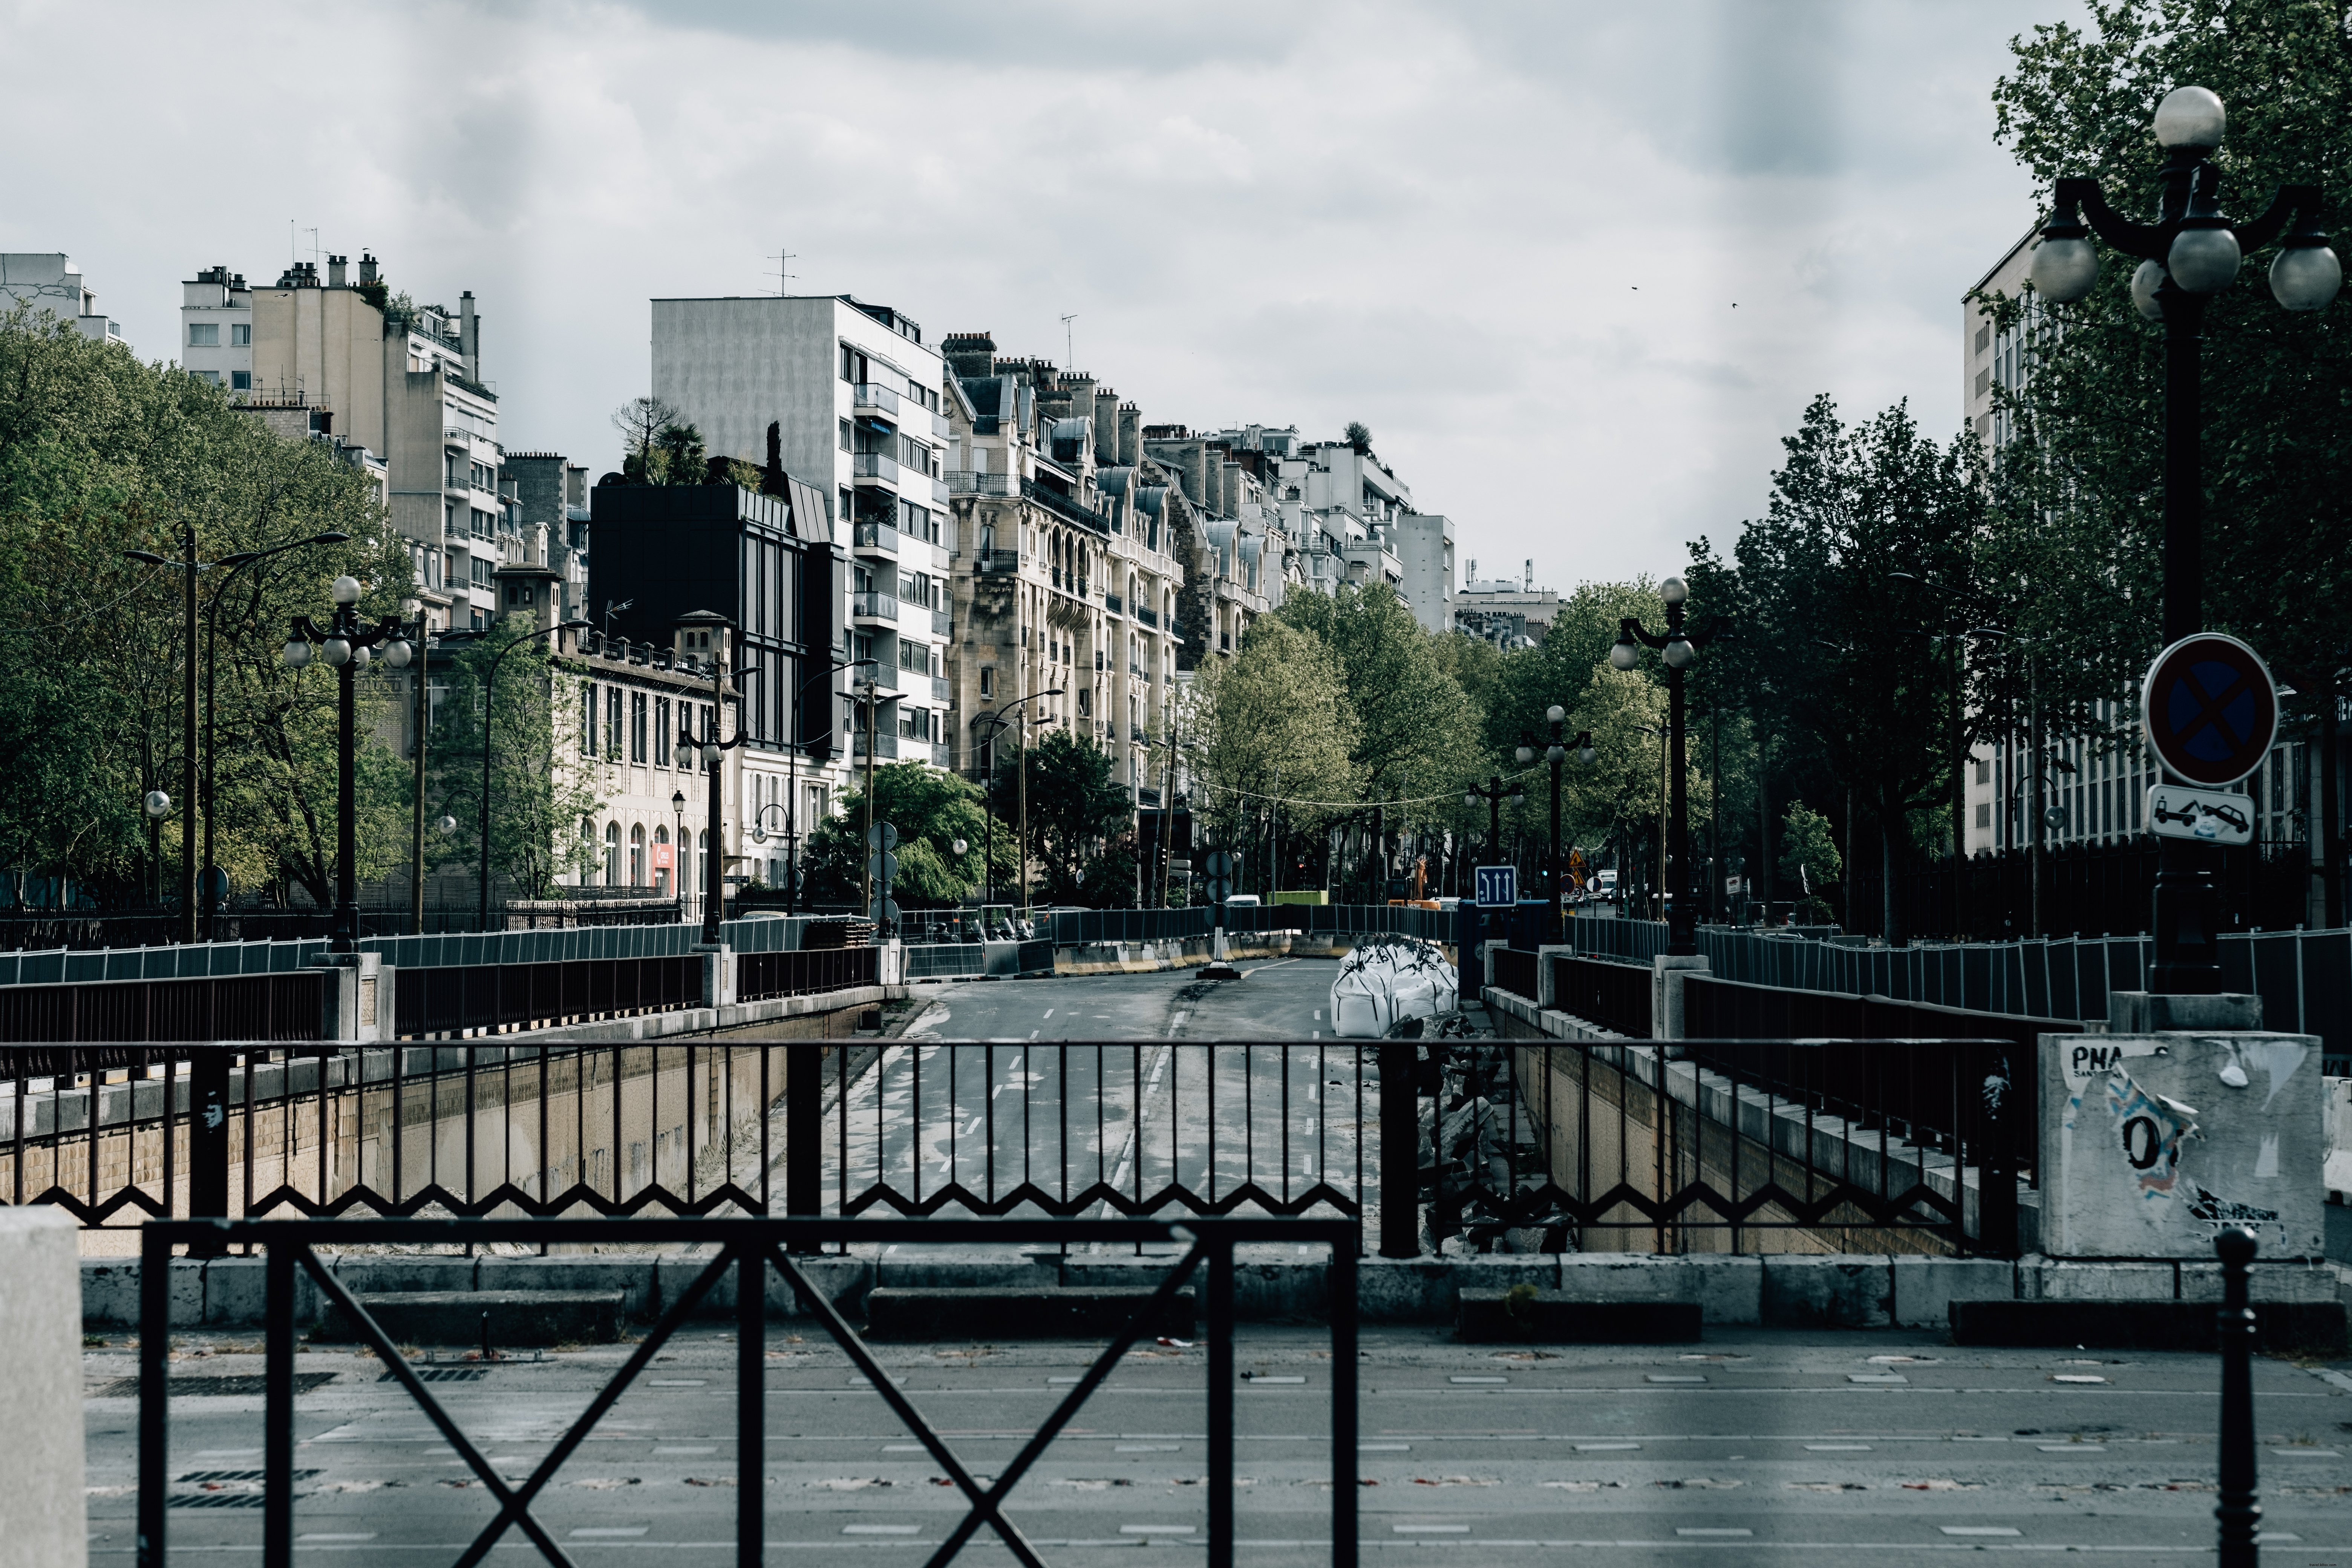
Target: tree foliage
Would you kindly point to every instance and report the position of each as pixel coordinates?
(1076, 812)
(541, 793)
(1273, 723)
(931, 810)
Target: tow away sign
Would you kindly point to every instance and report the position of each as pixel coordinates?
(2208, 816)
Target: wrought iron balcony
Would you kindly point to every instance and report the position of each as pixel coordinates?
(996, 560)
(1056, 501)
(1149, 618)
(1114, 604)
(967, 482)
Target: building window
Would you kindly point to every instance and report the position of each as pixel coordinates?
(587, 718)
(845, 436)
(661, 732)
(1984, 815)
(612, 854)
(613, 722)
(240, 380)
(637, 727)
(240, 335)
(988, 680)
(661, 861)
(638, 856)
(204, 334)
(702, 859)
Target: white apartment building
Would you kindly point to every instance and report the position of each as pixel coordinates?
(216, 328)
(49, 280)
(1505, 613)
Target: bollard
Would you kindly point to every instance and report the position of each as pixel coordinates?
(1400, 1151)
(2239, 1514)
(208, 1113)
(805, 1132)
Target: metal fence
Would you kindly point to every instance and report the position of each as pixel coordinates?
(746, 1248)
(463, 1130)
(2304, 978)
(1103, 1129)
(1616, 996)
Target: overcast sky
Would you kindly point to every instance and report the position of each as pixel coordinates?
(1579, 267)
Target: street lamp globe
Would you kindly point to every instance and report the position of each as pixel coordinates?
(1673, 590)
(337, 651)
(2190, 117)
(2306, 276)
(1586, 754)
(2145, 282)
(1556, 714)
(2064, 268)
(678, 800)
(396, 653)
(710, 755)
(347, 590)
(960, 846)
(1470, 798)
(1680, 652)
(1556, 752)
(297, 652)
(1623, 653)
(2204, 255)
(158, 805)
(447, 824)
(361, 654)
(1526, 754)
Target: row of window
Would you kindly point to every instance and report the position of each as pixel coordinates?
(206, 335)
(645, 734)
(238, 380)
(639, 862)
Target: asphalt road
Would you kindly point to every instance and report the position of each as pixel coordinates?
(1885, 1447)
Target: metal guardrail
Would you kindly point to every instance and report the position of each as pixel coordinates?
(2304, 978)
(1616, 996)
(748, 1248)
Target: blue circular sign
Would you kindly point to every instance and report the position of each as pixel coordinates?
(2210, 708)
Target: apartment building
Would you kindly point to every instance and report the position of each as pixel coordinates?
(1503, 612)
(216, 328)
(2091, 787)
(50, 280)
(845, 397)
(1082, 566)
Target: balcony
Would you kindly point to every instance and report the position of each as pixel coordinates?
(939, 491)
(1134, 668)
(875, 466)
(884, 745)
(879, 399)
(1225, 642)
(1137, 732)
(1062, 505)
(939, 426)
(1006, 562)
(885, 678)
(872, 605)
(1114, 604)
(967, 482)
(1149, 618)
(939, 688)
(878, 536)
(942, 623)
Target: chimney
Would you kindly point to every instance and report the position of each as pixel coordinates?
(469, 335)
(367, 266)
(771, 475)
(1531, 576)
(971, 356)
(1130, 435)
(1105, 413)
(335, 278)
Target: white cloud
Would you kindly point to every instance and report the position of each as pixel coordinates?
(1508, 236)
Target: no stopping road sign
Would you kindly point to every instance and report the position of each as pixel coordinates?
(2210, 709)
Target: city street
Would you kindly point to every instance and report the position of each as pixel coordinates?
(1882, 1448)
(980, 1090)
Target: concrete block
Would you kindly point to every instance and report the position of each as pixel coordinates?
(110, 1292)
(1828, 1291)
(1296, 1291)
(634, 1277)
(965, 1268)
(1055, 1313)
(1727, 1290)
(2151, 1141)
(1926, 1288)
(845, 1282)
(509, 1318)
(1545, 1317)
(2147, 1013)
(236, 1292)
(359, 1275)
(1424, 1289)
(2284, 1282)
(41, 1472)
(2056, 1279)
(672, 1274)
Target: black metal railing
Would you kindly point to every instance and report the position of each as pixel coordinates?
(1104, 1128)
(1616, 996)
(1515, 971)
(222, 1007)
(1716, 1145)
(747, 1248)
(760, 975)
(453, 1001)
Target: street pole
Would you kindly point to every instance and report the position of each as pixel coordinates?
(678, 861)
(346, 644)
(1677, 650)
(2239, 1512)
(188, 738)
(873, 713)
(425, 644)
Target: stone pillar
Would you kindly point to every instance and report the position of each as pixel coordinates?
(718, 973)
(2185, 1119)
(40, 1399)
(1546, 989)
(357, 1001)
(1667, 971)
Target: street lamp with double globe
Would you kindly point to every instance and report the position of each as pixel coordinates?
(2189, 255)
(347, 645)
(1556, 753)
(1677, 648)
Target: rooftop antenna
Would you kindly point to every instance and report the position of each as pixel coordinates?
(784, 259)
(1069, 338)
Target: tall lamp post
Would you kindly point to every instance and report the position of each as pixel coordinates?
(1678, 648)
(999, 723)
(2189, 255)
(1493, 793)
(1555, 753)
(489, 681)
(347, 645)
(678, 861)
(792, 782)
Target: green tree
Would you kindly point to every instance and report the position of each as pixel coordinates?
(1075, 810)
(1411, 722)
(542, 790)
(931, 810)
(1809, 853)
(1271, 724)
(99, 454)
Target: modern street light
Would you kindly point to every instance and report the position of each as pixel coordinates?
(489, 681)
(347, 645)
(1679, 649)
(2189, 253)
(1556, 753)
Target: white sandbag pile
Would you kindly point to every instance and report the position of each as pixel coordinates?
(1386, 978)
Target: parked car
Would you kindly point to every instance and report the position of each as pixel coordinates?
(1249, 900)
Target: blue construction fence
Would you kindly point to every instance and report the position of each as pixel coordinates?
(2303, 977)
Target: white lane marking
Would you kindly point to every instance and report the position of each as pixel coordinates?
(1155, 1529)
(904, 1449)
(1837, 1448)
(1268, 1377)
(1384, 1448)
(1713, 1530)
(1675, 1377)
(357, 1535)
(871, 1529)
(1477, 1380)
(1046, 1013)
(1174, 1024)
(1430, 1528)
(1979, 1530)
(2074, 1377)
(1318, 1015)
(2072, 1447)
(1147, 1448)
(609, 1532)
(1606, 1447)
(1033, 1035)
(675, 1382)
(2301, 1454)
(1885, 1377)
(659, 1452)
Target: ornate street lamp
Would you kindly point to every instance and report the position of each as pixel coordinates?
(347, 645)
(1678, 650)
(1556, 753)
(2189, 253)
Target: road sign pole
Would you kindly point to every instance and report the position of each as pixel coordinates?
(2210, 708)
